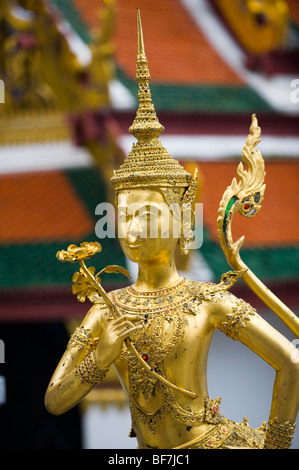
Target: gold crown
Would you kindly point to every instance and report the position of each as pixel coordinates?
(148, 164)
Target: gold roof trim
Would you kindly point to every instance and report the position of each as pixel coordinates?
(33, 127)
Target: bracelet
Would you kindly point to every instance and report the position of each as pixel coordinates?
(89, 372)
(82, 338)
(279, 435)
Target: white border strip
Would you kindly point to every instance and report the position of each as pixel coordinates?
(43, 157)
(64, 155)
(277, 91)
(217, 147)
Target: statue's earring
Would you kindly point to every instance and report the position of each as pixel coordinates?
(188, 216)
(187, 236)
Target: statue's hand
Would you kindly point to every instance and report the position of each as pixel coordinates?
(114, 332)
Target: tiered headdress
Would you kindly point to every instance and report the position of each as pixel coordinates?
(149, 164)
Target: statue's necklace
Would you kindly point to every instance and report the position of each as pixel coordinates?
(162, 314)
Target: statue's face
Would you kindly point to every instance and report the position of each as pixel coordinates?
(146, 226)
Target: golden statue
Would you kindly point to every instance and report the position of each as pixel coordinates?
(158, 331)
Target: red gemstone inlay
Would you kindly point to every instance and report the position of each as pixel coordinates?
(144, 357)
(247, 206)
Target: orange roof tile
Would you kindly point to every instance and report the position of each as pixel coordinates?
(277, 222)
(176, 49)
(41, 207)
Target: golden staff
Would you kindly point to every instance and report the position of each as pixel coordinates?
(87, 285)
(246, 197)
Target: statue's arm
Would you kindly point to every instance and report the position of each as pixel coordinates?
(66, 387)
(240, 321)
(90, 352)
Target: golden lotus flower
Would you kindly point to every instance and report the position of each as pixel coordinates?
(83, 287)
(86, 282)
(79, 253)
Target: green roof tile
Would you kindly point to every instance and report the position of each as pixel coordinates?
(268, 264)
(201, 98)
(70, 13)
(35, 265)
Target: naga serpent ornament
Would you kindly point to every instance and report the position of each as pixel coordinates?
(245, 197)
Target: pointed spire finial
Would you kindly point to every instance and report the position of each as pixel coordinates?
(140, 35)
(146, 125)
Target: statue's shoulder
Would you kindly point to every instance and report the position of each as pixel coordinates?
(211, 290)
(228, 312)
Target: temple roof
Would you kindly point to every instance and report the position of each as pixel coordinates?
(195, 62)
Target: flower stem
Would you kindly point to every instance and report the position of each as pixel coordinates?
(100, 289)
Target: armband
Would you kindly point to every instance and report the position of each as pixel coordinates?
(237, 319)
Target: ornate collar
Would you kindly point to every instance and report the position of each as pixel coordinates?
(174, 296)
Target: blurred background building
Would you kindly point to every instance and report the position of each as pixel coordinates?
(67, 73)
